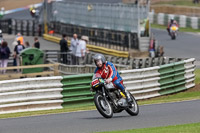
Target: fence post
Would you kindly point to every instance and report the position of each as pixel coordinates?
(56, 72)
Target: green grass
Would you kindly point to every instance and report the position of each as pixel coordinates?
(185, 128)
(181, 96)
(197, 76)
(179, 3)
(44, 112)
(157, 26)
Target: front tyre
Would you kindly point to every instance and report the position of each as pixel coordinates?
(133, 110)
(103, 106)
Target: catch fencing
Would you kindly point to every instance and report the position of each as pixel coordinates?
(45, 93)
(115, 16)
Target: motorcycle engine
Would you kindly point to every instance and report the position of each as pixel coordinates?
(113, 95)
(122, 102)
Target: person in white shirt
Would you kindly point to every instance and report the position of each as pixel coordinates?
(73, 46)
(81, 49)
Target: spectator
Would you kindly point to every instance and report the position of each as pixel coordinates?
(20, 38)
(27, 45)
(73, 46)
(37, 43)
(63, 48)
(12, 49)
(152, 47)
(1, 37)
(81, 49)
(4, 55)
(17, 51)
(161, 51)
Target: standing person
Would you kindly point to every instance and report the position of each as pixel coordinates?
(63, 48)
(1, 37)
(4, 55)
(37, 43)
(152, 47)
(17, 51)
(73, 46)
(20, 38)
(81, 49)
(12, 50)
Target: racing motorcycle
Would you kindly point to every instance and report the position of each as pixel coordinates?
(109, 100)
(173, 31)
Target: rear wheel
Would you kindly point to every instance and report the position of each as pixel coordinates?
(133, 110)
(103, 106)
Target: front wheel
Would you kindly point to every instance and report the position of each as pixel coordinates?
(103, 106)
(133, 110)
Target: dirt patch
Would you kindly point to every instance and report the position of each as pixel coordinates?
(13, 4)
(196, 88)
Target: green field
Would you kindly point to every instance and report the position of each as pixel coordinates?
(186, 128)
(179, 2)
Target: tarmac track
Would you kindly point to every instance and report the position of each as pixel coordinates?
(91, 121)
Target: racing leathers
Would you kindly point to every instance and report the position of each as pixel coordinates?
(109, 71)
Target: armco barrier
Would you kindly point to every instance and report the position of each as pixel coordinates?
(76, 90)
(160, 80)
(69, 91)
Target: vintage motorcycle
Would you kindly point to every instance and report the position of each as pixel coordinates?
(173, 31)
(109, 100)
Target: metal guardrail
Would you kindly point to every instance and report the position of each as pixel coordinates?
(73, 91)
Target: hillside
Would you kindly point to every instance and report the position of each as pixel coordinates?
(13, 4)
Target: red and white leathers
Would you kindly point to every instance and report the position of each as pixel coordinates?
(109, 71)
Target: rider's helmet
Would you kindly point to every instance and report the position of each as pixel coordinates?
(97, 57)
(172, 19)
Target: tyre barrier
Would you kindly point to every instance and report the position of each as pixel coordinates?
(45, 93)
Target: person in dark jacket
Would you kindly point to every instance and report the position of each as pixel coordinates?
(17, 51)
(4, 55)
(64, 48)
(37, 43)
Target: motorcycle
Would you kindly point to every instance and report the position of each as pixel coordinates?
(173, 31)
(109, 100)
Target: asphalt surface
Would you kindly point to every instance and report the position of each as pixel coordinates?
(91, 121)
(186, 45)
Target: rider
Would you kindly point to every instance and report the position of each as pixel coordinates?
(109, 72)
(170, 23)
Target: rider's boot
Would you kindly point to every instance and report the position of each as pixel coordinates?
(128, 97)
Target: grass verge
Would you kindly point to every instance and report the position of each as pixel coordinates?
(45, 112)
(179, 3)
(157, 26)
(185, 128)
(186, 95)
